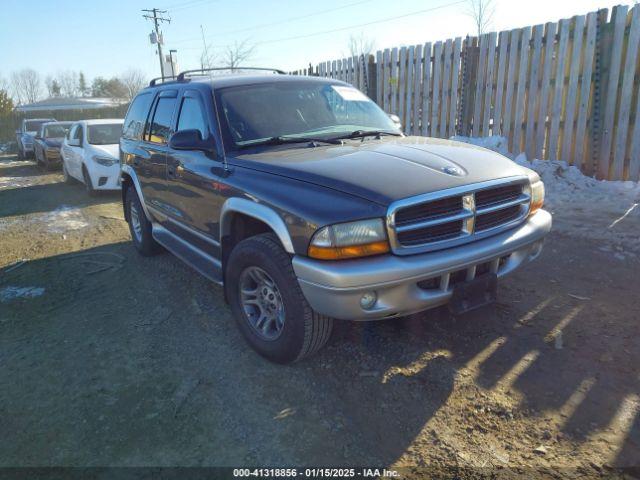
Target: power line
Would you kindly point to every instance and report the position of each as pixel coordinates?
(180, 6)
(279, 22)
(349, 27)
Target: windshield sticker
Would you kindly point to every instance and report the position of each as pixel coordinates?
(350, 94)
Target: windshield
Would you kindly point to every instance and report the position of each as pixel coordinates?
(55, 131)
(105, 134)
(34, 125)
(253, 113)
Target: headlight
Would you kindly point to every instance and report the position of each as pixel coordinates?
(105, 161)
(349, 240)
(536, 190)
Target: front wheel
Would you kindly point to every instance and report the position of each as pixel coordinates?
(65, 174)
(268, 304)
(87, 183)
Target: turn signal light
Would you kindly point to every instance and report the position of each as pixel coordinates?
(352, 251)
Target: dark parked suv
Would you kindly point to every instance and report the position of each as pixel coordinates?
(303, 198)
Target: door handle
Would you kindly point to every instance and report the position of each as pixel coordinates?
(175, 171)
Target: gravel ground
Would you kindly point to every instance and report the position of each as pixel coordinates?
(109, 358)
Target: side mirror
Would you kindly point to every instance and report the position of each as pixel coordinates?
(395, 119)
(190, 140)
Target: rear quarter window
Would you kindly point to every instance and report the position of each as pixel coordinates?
(137, 116)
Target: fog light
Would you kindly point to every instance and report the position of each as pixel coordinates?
(368, 300)
(535, 250)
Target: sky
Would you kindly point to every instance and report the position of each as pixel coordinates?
(107, 37)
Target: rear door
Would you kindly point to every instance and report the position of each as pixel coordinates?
(194, 178)
(152, 161)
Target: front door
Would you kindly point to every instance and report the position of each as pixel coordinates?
(75, 153)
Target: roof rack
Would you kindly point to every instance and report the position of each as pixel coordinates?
(154, 81)
(201, 71)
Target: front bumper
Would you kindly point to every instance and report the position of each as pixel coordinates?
(103, 177)
(53, 158)
(410, 284)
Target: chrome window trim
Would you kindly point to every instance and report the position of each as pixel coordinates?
(468, 232)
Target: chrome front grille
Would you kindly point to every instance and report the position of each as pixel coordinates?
(455, 216)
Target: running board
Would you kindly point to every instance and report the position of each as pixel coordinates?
(200, 261)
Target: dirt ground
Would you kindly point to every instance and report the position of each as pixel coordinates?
(109, 358)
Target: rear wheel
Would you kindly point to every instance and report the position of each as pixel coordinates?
(268, 304)
(139, 225)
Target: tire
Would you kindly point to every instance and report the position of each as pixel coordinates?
(87, 183)
(143, 239)
(303, 331)
(68, 179)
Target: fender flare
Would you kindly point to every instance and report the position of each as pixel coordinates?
(258, 211)
(128, 170)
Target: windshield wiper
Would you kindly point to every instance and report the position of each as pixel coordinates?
(286, 140)
(367, 133)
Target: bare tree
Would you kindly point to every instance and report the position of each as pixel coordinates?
(207, 59)
(482, 13)
(361, 45)
(69, 83)
(134, 80)
(235, 55)
(26, 85)
(4, 84)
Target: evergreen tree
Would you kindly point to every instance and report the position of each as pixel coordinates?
(82, 85)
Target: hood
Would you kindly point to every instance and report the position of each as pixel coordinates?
(384, 170)
(109, 150)
(53, 142)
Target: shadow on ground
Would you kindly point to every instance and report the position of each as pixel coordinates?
(48, 197)
(127, 360)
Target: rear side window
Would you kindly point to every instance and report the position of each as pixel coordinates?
(136, 117)
(160, 128)
(192, 116)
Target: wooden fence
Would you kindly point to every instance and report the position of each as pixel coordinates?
(564, 90)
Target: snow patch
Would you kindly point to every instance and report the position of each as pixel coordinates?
(600, 209)
(63, 219)
(14, 182)
(11, 293)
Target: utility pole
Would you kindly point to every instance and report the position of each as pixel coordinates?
(206, 53)
(156, 15)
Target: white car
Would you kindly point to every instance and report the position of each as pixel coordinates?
(90, 154)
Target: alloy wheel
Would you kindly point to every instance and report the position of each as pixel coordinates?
(262, 303)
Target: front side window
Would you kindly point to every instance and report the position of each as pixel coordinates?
(105, 134)
(192, 116)
(160, 128)
(253, 113)
(137, 116)
(77, 135)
